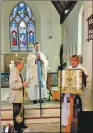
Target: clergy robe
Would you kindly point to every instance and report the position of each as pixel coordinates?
(32, 76)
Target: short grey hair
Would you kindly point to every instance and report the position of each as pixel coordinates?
(76, 57)
(18, 61)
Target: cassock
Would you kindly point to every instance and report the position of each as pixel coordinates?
(33, 78)
(66, 102)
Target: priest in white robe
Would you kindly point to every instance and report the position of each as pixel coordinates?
(36, 75)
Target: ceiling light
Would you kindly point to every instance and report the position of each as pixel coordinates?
(66, 11)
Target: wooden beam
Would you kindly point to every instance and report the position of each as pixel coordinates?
(61, 11)
(62, 4)
(55, 5)
(64, 16)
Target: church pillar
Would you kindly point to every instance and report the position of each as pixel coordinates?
(87, 96)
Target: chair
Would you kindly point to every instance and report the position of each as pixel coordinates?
(49, 84)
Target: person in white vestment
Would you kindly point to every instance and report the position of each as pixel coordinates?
(75, 64)
(32, 76)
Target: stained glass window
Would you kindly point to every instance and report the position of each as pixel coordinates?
(22, 28)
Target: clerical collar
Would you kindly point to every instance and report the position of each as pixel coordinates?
(76, 66)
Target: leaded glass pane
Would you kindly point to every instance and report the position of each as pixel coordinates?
(17, 18)
(13, 36)
(22, 8)
(11, 17)
(31, 35)
(14, 12)
(22, 36)
(26, 19)
(22, 15)
(29, 12)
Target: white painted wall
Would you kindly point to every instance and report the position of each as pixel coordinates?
(41, 10)
(70, 31)
(87, 58)
(70, 39)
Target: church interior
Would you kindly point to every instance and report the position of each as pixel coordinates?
(62, 30)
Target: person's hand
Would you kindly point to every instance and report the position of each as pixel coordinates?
(39, 56)
(25, 84)
(26, 94)
(86, 76)
(80, 76)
